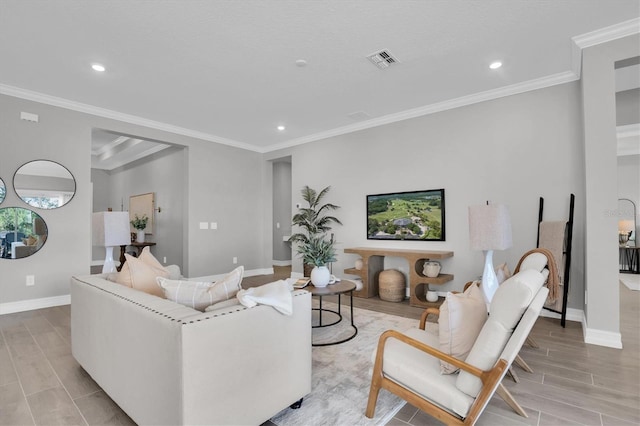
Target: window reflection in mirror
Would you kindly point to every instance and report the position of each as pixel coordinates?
(44, 184)
(22, 232)
(3, 190)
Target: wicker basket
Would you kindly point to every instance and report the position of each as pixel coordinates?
(391, 285)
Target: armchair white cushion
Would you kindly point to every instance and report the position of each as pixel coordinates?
(408, 364)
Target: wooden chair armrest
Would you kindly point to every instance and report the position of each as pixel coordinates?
(428, 349)
(425, 314)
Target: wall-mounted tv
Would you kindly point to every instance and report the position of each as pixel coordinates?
(407, 216)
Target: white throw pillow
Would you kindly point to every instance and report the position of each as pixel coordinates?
(199, 295)
(193, 294)
(462, 316)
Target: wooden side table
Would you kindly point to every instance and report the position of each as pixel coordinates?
(138, 246)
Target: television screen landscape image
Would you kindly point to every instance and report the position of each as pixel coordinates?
(412, 216)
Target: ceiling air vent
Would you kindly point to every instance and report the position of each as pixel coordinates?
(382, 59)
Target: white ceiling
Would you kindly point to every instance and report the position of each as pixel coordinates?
(226, 71)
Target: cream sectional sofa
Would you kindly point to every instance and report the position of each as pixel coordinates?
(164, 363)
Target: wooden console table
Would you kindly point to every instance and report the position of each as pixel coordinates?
(373, 264)
(138, 246)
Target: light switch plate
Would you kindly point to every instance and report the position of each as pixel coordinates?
(214, 225)
(204, 225)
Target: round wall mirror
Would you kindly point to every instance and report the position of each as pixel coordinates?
(44, 184)
(3, 190)
(22, 232)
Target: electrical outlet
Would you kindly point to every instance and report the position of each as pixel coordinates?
(214, 225)
(235, 260)
(31, 280)
(164, 260)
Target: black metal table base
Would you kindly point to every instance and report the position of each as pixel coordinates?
(320, 310)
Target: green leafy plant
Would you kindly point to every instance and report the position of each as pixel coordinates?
(314, 222)
(317, 251)
(139, 223)
(313, 219)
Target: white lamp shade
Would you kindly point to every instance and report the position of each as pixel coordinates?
(110, 229)
(625, 225)
(490, 227)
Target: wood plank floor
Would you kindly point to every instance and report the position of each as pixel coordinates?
(573, 383)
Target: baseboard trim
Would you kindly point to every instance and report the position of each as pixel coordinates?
(572, 314)
(247, 273)
(31, 304)
(281, 262)
(593, 336)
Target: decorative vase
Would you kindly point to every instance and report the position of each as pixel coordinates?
(320, 276)
(359, 264)
(431, 269)
(140, 236)
(391, 285)
(432, 296)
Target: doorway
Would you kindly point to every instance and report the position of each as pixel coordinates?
(125, 165)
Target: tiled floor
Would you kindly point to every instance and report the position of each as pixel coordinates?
(573, 383)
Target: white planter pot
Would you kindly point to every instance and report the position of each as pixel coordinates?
(432, 296)
(320, 276)
(140, 237)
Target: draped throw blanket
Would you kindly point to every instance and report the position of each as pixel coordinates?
(276, 294)
(553, 282)
(552, 236)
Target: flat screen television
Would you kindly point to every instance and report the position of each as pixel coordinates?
(407, 216)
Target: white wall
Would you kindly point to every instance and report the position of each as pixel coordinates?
(163, 174)
(511, 150)
(281, 211)
(602, 310)
(221, 183)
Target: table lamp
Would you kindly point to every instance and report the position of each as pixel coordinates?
(110, 229)
(489, 229)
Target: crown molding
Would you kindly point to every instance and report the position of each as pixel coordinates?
(600, 36)
(514, 89)
(29, 95)
(580, 42)
(606, 34)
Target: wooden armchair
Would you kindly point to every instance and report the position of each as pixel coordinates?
(408, 364)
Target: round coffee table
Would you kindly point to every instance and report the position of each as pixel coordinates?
(339, 288)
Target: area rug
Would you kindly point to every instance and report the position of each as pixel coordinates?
(342, 374)
(631, 281)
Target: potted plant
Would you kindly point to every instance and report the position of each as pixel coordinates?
(318, 252)
(140, 223)
(313, 219)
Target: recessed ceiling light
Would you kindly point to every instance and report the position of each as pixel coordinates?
(495, 65)
(301, 63)
(98, 67)
(281, 127)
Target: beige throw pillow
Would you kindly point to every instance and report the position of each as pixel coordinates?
(462, 316)
(199, 295)
(140, 273)
(503, 273)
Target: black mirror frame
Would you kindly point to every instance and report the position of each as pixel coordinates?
(75, 185)
(3, 190)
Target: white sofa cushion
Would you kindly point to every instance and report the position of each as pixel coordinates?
(420, 372)
(507, 307)
(199, 295)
